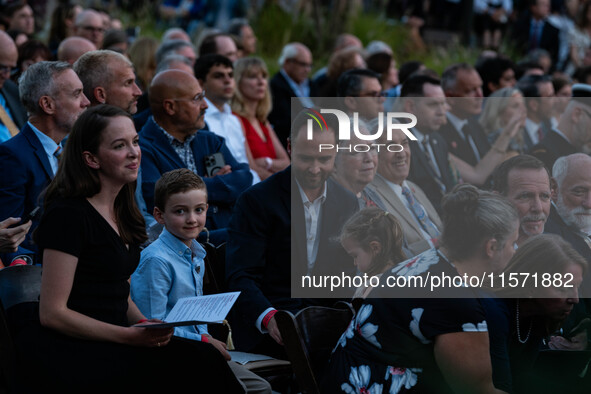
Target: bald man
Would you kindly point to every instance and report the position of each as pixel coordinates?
(14, 116)
(171, 139)
(72, 48)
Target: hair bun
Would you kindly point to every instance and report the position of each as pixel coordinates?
(462, 200)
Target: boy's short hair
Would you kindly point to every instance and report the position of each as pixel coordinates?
(176, 181)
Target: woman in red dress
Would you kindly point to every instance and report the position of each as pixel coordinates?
(252, 104)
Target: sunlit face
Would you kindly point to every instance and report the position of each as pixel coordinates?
(253, 84)
(361, 258)
(529, 191)
(70, 100)
(395, 166)
(558, 302)
(123, 92)
(184, 214)
(118, 157)
(574, 198)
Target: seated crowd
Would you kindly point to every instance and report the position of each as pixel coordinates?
(135, 157)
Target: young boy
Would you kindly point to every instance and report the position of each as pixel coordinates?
(172, 267)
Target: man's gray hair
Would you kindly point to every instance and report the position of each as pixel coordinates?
(38, 81)
(288, 52)
(166, 63)
(94, 70)
(449, 77)
(171, 46)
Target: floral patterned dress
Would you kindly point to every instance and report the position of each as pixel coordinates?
(388, 346)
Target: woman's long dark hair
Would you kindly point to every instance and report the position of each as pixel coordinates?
(76, 179)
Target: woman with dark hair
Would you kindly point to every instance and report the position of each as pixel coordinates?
(83, 335)
(62, 23)
(437, 340)
(29, 53)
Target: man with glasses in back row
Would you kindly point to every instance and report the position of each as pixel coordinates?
(292, 80)
(89, 25)
(172, 138)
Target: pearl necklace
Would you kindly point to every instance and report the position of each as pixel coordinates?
(518, 331)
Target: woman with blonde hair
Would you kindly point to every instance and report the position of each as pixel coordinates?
(505, 108)
(142, 54)
(252, 104)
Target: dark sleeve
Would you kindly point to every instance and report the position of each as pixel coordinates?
(63, 227)
(246, 256)
(227, 188)
(150, 174)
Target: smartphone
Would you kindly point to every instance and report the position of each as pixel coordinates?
(213, 163)
(30, 216)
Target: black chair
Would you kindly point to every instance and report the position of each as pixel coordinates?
(309, 338)
(18, 284)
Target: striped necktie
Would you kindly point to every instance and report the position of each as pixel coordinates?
(420, 213)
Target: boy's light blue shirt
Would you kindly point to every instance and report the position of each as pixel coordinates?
(168, 271)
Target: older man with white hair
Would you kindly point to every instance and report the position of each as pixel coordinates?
(292, 80)
(570, 216)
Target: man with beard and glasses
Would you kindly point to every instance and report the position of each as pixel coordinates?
(172, 138)
(525, 181)
(53, 96)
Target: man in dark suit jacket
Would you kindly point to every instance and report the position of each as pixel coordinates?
(172, 139)
(9, 99)
(465, 137)
(28, 161)
(542, 35)
(573, 133)
(291, 81)
(267, 231)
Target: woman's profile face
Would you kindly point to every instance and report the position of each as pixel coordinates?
(562, 292)
(118, 155)
(253, 84)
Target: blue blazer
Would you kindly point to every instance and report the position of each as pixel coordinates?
(25, 172)
(266, 233)
(158, 157)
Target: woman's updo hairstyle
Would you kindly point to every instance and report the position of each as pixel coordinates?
(472, 216)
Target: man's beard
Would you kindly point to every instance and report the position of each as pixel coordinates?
(573, 217)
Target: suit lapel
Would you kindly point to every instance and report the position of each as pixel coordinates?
(33, 140)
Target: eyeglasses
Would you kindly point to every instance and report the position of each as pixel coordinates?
(93, 29)
(198, 98)
(301, 64)
(6, 69)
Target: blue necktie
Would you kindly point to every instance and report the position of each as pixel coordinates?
(420, 214)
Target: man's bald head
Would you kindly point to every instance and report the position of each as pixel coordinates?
(72, 48)
(177, 102)
(8, 56)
